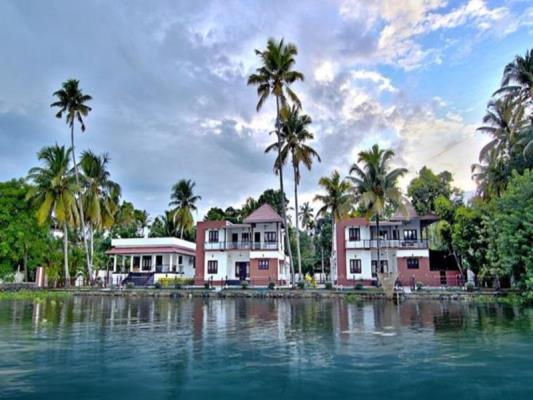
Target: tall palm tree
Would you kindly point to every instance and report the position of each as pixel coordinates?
(294, 135)
(307, 217)
(518, 77)
(376, 185)
(337, 201)
(53, 192)
(490, 175)
(275, 77)
(504, 122)
(184, 200)
(72, 103)
(101, 194)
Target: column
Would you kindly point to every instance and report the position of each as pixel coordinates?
(114, 263)
(131, 263)
(153, 263)
(170, 263)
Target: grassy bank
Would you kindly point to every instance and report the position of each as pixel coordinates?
(34, 295)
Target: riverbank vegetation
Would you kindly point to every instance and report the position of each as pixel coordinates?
(34, 295)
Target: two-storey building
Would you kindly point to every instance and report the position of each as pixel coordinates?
(251, 251)
(404, 249)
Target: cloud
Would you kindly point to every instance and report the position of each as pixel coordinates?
(171, 100)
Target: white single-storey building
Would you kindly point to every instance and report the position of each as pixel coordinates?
(144, 261)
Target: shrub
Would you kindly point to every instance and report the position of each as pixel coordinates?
(469, 287)
(175, 282)
(244, 285)
(271, 285)
(301, 285)
(328, 285)
(206, 285)
(130, 285)
(419, 285)
(359, 286)
(158, 285)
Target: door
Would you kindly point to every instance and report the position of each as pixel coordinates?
(241, 270)
(443, 278)
(257, 240)
(234, 240)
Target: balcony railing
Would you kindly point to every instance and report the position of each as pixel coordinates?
(241, 245)
(387, 244)
(166, 268)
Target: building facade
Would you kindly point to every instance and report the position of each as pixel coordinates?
(144, 261)
(251, 251)
(404, 249)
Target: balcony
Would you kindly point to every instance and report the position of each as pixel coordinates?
(241, 246)
(387, 244)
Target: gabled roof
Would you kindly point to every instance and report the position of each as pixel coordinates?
(412, 214)
(265, 213)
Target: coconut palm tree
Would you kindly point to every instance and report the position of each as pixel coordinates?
(275, 77)
(504, 122)
(54, 193)
(376, 185)
(307, 217)
(518, 77)
(490, 175)
(165, 226)
(337, 202)
(100, 195)
(72, 103)
(294, 135)
(184, 200)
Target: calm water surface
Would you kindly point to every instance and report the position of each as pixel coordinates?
(118, 348)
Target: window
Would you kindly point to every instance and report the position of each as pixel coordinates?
(409, 234)
(180, 260)
(270, 237)
(263, 264)
(412, 263)
(245, 237)
(355, 266)
(212, 267)
(213, 236)
(395, 234)
(354, 234)
(384, 266)
(384, 234)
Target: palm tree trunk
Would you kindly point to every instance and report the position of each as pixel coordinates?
(65, 254)
(181, 232)
(378, 267)
(91, 231)
(25, 263)
(296, 223)
(333, 258)
(80, 205)
(282, 194)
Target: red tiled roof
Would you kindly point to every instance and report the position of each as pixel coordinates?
(150, 250)
(265, 213)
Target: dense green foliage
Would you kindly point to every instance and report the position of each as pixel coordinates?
(22, 240)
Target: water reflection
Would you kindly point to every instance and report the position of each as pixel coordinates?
(163, 348)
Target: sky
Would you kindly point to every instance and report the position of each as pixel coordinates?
(170, 100)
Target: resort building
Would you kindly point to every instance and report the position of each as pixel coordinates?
(404, 249)
(252, 251)
(144, 261)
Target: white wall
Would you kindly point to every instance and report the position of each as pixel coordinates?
(164, 241)
(222, 259)
(366, 265)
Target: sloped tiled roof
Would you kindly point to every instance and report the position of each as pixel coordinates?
(411, 214)
(265, 213)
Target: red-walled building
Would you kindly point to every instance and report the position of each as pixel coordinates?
(251, 251)
(403, 248)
